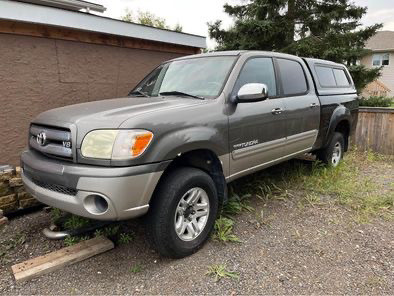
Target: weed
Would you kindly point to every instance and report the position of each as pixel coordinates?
(56, 214)
(136, 268)
(72, 240)
(111, 231)
(75, 222)
(223, 230)
(237, 204)
(125, 238)
(219, 271)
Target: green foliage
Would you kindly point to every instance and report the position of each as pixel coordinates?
(72, 240)
(75, 222)
(345, 185)
(111, 231)
(237, 204)
(125, 238)
(136, 268)
(219, 271)
(223, 230)
(56, 214)
(149, 19)
(377, 101)
(329, 29)
(362, 75)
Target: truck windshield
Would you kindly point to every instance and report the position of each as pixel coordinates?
(195, 77)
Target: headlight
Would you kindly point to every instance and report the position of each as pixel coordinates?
(116, 144)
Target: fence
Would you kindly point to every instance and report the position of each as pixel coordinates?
(375, 130)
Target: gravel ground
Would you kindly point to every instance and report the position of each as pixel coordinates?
(296, 250)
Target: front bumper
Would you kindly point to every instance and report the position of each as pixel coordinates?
(70, 187)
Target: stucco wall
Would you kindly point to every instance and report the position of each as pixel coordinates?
(37, 74)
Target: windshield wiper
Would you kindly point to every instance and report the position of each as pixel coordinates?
(179, 93)
(139, 92)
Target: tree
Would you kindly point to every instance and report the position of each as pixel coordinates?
(149, 19)
(326, 29)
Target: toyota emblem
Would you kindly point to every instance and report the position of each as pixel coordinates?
(41, 139)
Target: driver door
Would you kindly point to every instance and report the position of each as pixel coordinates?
(257, 131)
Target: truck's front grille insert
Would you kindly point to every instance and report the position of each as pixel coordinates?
(51, 141)
(55, 187)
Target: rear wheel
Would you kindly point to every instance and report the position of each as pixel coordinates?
(333, 153)
(182, 213)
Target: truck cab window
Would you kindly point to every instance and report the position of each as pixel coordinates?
(257, 70)
(293, 77)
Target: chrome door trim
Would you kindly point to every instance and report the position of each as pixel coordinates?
(264, 165)
(300, 141)
(259, 148)
(312, 134)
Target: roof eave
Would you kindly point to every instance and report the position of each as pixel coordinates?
(37, 14)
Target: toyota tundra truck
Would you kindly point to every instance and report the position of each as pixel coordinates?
(194, 124)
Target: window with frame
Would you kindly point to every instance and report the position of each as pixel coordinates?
(257, 70)
(325, 76)
(341, 77)
(332, 77)
(293, 77)
(381, 59)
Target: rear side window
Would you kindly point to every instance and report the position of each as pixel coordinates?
(293, 77)
(340, 77)
(331, 77)
(325, 76)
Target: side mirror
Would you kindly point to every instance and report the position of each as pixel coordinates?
(252, 92)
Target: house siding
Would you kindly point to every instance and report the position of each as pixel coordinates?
(387, 77)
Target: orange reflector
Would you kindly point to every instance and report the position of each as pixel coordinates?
(141, 142)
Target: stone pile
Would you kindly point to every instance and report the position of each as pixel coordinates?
(13, 196)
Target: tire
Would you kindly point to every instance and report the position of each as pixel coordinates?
(169, 209)
(333, 153)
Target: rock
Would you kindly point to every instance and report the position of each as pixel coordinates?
(4, 188)
(24, 195)
(27, 203)
(18, 171)
(15, 182)
(4, 200)
(6, 174)
(3, 221)
(1, 213)
(11, 207)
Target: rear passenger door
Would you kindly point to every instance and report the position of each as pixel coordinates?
(302, 107)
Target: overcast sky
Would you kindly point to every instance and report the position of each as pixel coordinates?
(194, 15)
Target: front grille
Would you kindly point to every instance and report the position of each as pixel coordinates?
(55, 187)
(51, 141)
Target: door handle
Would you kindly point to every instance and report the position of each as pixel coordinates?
(313, 105)
(277, 111)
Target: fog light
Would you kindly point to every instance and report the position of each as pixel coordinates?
(95, 204)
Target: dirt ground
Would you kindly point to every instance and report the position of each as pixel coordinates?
(317, 249)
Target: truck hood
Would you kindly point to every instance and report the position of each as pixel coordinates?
(110, 113)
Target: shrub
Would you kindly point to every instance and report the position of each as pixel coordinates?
(376, 101)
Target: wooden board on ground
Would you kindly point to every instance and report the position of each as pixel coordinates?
(53, 261)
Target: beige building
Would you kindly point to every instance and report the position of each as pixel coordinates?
(382, 54)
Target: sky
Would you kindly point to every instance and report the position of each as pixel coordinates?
(193, 15)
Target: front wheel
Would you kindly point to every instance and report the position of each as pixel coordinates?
(182, 213)
(333, 153)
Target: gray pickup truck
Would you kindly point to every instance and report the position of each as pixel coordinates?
(191, 126)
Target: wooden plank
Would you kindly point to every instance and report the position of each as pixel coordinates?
(53, 261)
(375, 130)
